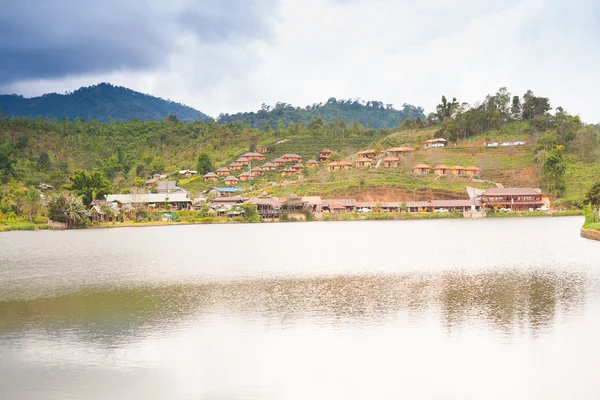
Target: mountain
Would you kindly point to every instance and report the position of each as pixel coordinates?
(101, 103)
(372, 114)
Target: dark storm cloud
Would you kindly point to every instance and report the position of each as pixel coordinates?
(56, 38)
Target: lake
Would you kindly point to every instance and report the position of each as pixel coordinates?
(439, 309)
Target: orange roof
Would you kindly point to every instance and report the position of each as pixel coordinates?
(391, 159)
(441, 166)
(458, 167)
(399, 149)
(362, 159)
(312, 162)
(366, 152)
(422, 166)
(472, 168)
(325, 151)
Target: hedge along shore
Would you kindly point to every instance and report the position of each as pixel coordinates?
(590, 234)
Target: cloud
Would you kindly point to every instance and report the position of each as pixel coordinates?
(61, 38)
(229, 58)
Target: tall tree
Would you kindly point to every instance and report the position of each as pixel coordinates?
(593, 196)
(554, 169)
(204, 164)
(90, 186)
(516, 109)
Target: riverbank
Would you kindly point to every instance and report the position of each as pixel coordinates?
(400, 216)
(591, 231)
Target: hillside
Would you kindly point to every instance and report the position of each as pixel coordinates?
(373, 114)
(102, 103)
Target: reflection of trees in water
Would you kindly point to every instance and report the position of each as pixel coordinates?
(510, 297)
(503, 298)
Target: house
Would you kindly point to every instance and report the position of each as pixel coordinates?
(390, 162)
(257, 171)
(339, 166)
(267, 207)
(368, 154)
(457, 170)
(231, 180)
(269, 166)
(246, 176)
(312, 163)
(279, 162)
(226, 201)
(313, 203)
(421, 169)
(288, 172)
(293, 203)
(517, 199)
(338, 205)
(188, 173)
(324, 155)
(419, 206)
(298, 167)
(151, 182)
(362, 162)
(235, 166)
(456, 205)
(472, 171)
(169, 187)
(223, 171)
(243, 161)
(223, 191)
(295, 158)
(261, 149)
(437, 142)
(383, 206)
(441, 169)
(178, 201)
(490, 144)
(103, 211)
(210, 177)
(254, 156)
(398, 151)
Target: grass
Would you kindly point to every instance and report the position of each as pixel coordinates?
(593, 226)
(23, 226)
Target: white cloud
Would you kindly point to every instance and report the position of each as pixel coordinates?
(386, 50)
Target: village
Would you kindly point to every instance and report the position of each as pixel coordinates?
(226, 199)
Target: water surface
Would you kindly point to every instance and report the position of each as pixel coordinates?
(491, 309)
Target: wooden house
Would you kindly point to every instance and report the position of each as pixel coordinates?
(223, 171)
(338, 166)
(210, 177)
(295, 158)
(269, 166)
(472, 171)
(261, 149)
(246, 176)
(278, 162)
(188, 173)
(399, 151)
(243, 161)
(235, 166)
(419, 206)
(267, 207)
(441, 169)
(456, 205)
(257, 171)
(368, 154)
(324, 155)
(312, 163)
(298, 167)
(421, 169)
(288, 172)
(517, 199)
(362, 162)
(338, 205)
(254, 156)
(390, 162)
(457, 170)
(231, 180)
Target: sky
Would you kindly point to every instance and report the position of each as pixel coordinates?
(226, 56)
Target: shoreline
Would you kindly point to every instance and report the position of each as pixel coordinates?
(21, 226)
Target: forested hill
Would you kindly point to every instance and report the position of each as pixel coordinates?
(373, 114)
(100, 103)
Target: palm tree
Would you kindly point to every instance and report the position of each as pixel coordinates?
(75, 211)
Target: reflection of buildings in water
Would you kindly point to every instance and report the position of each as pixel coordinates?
(504, 299)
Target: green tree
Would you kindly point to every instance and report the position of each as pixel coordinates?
(204, 164)
(516, 108)
(250, 213)
(90, 186)
(553, 172)
(34, 202)
(43, 163)
(445, 108)
(593, 196)
(6, 161)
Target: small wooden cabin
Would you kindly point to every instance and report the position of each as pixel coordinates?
(441, 169)
(390, 162)
(324, 155)
(231, 180)
(421, 169)
(210, 177)
(362, 162)
(223, 171)
(312, 163)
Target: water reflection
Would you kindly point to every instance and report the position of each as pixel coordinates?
(505, 300)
